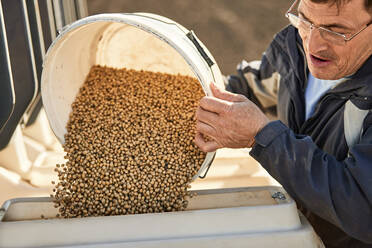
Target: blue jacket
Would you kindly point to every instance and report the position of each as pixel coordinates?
(310, 157)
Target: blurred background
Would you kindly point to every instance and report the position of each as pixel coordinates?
(232, 30)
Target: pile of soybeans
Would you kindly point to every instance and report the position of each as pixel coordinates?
(129, 144)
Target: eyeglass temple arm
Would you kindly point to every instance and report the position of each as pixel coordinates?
(347, 39)
(292, 6)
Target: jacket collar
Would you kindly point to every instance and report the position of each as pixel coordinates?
(358, 88)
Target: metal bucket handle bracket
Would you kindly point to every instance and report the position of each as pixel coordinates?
(191, 36)
(209, 166)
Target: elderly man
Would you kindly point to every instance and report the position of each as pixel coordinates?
(317, 73)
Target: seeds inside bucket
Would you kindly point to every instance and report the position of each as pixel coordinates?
(129, 144)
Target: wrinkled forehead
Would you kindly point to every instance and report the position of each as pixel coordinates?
(323, 8)
(350, 12)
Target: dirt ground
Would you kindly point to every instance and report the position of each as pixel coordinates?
(232, 30)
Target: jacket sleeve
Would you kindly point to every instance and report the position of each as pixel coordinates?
(338, 191)
(258, 81)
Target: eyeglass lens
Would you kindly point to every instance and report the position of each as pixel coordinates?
(304, 27)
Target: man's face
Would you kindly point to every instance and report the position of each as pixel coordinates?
(328, 60)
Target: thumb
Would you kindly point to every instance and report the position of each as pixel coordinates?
(225, 95)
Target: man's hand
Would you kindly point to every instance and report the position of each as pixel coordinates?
(228, 120)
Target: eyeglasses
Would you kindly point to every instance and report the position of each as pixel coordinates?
(305, 26)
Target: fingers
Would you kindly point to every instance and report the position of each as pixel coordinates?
(225, 95)
(213, 104)
(207, 117)
(205, 146)
(205, 129)
(221, 101)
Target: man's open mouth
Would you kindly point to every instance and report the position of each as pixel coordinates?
(318, 58)
(319, 61)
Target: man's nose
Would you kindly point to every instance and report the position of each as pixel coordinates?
(315, 41)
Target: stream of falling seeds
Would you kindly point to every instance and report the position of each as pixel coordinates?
(129, 144)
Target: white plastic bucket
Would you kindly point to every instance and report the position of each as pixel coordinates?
(138, 41)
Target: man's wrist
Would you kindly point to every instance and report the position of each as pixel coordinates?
(264, 123)
(251, 143)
